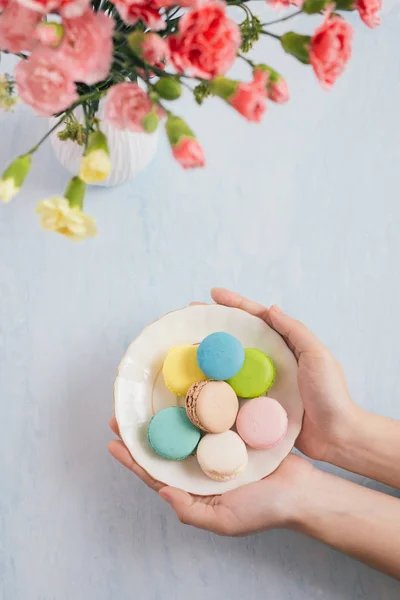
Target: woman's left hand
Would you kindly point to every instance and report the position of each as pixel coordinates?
(270, 503)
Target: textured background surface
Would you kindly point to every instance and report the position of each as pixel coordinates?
(303, 210)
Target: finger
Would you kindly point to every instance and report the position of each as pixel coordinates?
(191, 511)
(228, 298)
(296, 335)
(114, 426)
(119, 451)
(197, 304)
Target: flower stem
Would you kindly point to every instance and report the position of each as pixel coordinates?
(249, 62)
(295, 14)
(19, 54)
(50, 131)
(273, 35)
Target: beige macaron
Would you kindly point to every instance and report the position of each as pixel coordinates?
(212, 406)
(222, 456)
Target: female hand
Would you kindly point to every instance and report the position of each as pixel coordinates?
(270, 503)
(330, 414)
(274, 501)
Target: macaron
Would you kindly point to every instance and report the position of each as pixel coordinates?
(220, 356)
(171, 434)
(256, 375)
(212, 406)
(262, 423)
(180, 369)
(222, 456)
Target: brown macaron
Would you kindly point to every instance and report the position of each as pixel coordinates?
(212, 406)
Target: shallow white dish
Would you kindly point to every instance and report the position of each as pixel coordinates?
(140, 392)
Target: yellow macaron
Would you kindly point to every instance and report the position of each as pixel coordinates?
(181, 370)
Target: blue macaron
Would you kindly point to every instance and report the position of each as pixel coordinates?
(171, 434)
(220, 356)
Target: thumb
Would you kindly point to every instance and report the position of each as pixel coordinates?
(179, 500)
(296, 335)
(190, 510)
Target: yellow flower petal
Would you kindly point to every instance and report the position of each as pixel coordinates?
(56, 215)
(95, 166)
(8, 189)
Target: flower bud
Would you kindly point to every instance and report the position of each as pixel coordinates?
(13, 177)
(135, 41)
(7, 99)
(95, 163)
(49, 34)
(277, 89)
(185, 147)
(150, 121)
(168, 88)
(297, 45)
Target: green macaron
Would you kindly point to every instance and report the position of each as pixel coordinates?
(255, 377)
(171, 434)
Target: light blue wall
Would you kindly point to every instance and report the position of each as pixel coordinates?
(302, 210)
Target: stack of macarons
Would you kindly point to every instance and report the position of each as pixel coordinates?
(212, 377)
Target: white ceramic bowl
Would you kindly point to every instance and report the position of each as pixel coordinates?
(140, 392)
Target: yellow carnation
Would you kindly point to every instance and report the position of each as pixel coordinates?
(57, 215)
(13, 177)
(8, 189)
(95, 167)
(95, 163)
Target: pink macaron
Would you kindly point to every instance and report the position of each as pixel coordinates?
(262, 423)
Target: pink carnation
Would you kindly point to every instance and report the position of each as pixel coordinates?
(3, 4)
(155, 50)
(17, 26)
(127, 105)
(368, 10)
(147, 11)
(87, 47)
(330, 49)
(68, 8)
(44, 83)
(250, 99)
(277, 91)
(169, 3)
(188, 153)
(207, 42)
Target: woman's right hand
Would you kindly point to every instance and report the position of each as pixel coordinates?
(330, 414)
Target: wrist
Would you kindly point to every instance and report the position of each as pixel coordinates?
(308, 505)
(295, 485)
(344, 441)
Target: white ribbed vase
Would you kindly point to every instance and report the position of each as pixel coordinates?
(130, 152)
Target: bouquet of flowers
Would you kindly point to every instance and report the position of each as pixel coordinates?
(138, 55)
